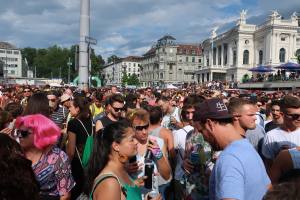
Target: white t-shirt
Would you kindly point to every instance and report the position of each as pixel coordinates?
(166, 119)
(179, 144)
(276, 139)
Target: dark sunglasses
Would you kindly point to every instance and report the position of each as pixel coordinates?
(140, 128)
(53, 100)
(118, 109)
(26, 90)
(22, 134)
(293, 116)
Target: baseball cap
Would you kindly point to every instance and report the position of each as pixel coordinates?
(211, 109)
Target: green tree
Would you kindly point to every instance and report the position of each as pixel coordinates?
(29, 53)
(113, 58)
(97, 64)
(124, 79)
(133, 80)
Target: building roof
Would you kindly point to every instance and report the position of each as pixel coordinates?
(131, 59)
(167, 37)
(6, 45)
(150, 52)
(189, 49)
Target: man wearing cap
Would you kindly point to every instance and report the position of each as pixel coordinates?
(239, 172)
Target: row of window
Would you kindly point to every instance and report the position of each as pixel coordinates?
(282, 55)
(8, 59)
(9, 51)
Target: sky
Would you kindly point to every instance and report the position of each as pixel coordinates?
(128, 27)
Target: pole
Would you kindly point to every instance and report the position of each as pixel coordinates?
(69, 65)
(34, 71)
(83, 46)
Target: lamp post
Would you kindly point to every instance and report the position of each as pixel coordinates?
(69, 65)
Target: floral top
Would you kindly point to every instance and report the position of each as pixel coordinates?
(200, 154)
(53, 172)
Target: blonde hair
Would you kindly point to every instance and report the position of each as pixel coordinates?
(138, 113)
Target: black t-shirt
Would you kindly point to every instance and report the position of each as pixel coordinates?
(270, 126)
(106, 121)
(76, 127)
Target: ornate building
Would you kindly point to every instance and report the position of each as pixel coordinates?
(11, 60)
(113, 72)
(230, 55)
(168, 62)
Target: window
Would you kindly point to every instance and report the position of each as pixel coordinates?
(134, 64)
(193, 52)
(214, 56)
(225, 54)
(234, 58)
(282, 55)
(180, 60)
(186, 59)
(283, 39)
(207, 61)
(12, 72)
(260, 57)
(161, 75)
(199, 60)
(16, 52)
(246, 57)
(171, 67)
(9, 52)
(219, 55)
(246, 41)
(2, 51)
(193, 59)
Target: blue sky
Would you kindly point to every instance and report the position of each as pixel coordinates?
(127, 27)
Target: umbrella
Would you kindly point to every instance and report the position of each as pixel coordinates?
(171, 86)
(289, 66)
(261, 69)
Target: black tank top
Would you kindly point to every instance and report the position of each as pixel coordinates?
(106, 121)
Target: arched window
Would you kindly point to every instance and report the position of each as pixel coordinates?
(260, 57)
(282, 55)
(246, 57)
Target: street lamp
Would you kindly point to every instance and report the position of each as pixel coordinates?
(69, 63)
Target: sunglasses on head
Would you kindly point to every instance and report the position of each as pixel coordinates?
(293, 116)
(118, 109)
(22, 134)
(140, 128)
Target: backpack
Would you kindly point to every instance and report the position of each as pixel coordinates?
(88, 147)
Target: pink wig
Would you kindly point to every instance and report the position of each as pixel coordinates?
(45, 131)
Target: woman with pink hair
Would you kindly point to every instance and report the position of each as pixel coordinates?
(38, 136)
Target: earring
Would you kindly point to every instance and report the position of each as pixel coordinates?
(122, 158)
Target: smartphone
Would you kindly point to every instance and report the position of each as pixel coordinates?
(132, 159)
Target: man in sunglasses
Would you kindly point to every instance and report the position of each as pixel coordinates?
(26, 94)
(114, 111)
(57, 112)
(286, 136)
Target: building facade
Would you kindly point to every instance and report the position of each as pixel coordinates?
(170, 63)
(230, 55)
(12, 60)
(113, 72)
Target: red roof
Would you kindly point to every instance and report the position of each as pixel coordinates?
(189, 49)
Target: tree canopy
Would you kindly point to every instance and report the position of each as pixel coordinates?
(52, 62)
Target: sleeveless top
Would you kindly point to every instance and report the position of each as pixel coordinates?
(155, 132)
(130, 192)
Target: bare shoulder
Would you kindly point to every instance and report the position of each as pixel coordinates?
(109, 188)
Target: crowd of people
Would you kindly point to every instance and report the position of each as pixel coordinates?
(196, 143)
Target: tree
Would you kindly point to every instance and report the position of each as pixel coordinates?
(113, 59)
(124, 79)
(133, 80)
(97, 63)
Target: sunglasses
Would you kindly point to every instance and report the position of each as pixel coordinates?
(118, 109)
(53, 100)
(293, 116)
(26, 90)
(140, 128)
(22, 134)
